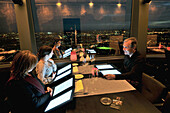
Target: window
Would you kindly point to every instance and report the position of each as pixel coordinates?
(158, 26)
(94, 24)
(9, 40)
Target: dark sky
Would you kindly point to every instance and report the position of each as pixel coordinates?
(104, 15)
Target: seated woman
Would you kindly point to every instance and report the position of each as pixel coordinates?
(46, 68)
(25, 92)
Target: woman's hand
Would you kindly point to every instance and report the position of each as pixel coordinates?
(53, 75)
(49, 90)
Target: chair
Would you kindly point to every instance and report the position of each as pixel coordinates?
(5, 75)
(166, 105)
(152, 89)
(121, 48)
(167, 56)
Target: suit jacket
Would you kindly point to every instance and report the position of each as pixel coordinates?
(132, 69)
(24, 97)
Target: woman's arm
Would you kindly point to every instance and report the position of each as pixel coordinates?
(53, 64)
(40, 70)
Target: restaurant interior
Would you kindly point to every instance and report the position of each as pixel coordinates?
(92, 33)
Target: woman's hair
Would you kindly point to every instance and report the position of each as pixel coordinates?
(43, 51)
(22, 62)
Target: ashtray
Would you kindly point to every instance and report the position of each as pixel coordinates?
(74, 64)
(105, 100)
(79, 76)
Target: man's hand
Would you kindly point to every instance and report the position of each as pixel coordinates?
(110, 76)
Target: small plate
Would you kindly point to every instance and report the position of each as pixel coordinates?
(74, 64)
(79, 76)
(105, 100)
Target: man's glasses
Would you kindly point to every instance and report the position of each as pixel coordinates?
(126, 47)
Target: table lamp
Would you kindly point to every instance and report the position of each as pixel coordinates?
(73, 56)
(94, 71)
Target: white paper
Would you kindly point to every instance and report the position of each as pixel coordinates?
(61, 87)
(66, 54)
(97, 86)
(59, 100)
(68, 50)
(64, 69)
(91, 50)
(63, 75)
(115, 71)
(106, 66)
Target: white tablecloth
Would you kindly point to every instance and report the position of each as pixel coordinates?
(96, 86)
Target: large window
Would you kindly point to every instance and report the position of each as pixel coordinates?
(92, 23)
(9, 40)
(158, 26)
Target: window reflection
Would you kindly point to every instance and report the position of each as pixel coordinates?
(9, 41)
(158, 26)
(102, 19)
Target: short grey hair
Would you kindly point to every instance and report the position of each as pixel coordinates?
(133, 41)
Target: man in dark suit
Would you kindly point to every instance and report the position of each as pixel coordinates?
(133, 64)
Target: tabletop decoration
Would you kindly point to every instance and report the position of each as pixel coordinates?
(79, 76)
(105, 100)
(95, 72)
(73, 56)
(117, 103)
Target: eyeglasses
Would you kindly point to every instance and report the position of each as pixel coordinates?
(126, 47)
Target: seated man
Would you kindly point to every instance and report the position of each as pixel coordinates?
(133, 64)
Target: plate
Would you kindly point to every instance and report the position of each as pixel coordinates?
(105, 100)
(79, 76)
(74, 64)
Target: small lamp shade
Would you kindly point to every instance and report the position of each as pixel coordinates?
(87, 58)
(168, 48)
(94, 71)
(81, 54)
(82, 59)
(73, 56)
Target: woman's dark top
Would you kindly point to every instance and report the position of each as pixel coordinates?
(132, 69)
(26, 96)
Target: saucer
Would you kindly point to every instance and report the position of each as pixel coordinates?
(74, 64)
(105, 100)
(79, 76)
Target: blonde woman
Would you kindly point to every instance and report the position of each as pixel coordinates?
(25, 92)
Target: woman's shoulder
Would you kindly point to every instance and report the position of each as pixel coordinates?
(17, 81)
(15, 84)
(40, 64)
(51, 61)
